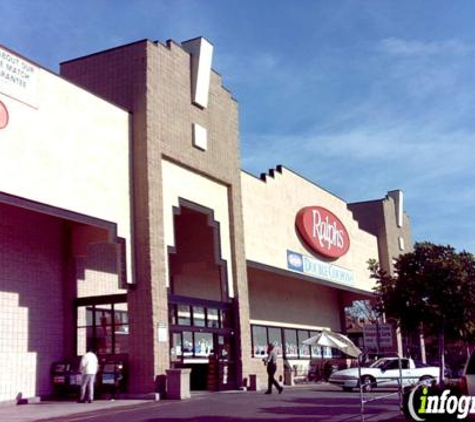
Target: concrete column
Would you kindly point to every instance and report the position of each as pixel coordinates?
(178, 383)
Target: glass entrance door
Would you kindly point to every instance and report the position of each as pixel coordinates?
(201, 339)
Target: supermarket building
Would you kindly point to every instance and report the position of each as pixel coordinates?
(128, 226)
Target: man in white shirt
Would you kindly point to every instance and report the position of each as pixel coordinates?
(88, 367)
(271, 370)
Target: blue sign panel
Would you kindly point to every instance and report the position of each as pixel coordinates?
(294, 261)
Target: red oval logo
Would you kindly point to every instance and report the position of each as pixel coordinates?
(3, 116)
(323, 232)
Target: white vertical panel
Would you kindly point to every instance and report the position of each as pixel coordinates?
(201, 58)
(398, 198)
(200, 137)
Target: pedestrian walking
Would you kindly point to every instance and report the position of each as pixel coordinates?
(271, 363)
(88, 367)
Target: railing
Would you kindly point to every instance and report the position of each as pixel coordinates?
(400, 389)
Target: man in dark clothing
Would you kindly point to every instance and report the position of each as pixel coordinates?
(271, 369)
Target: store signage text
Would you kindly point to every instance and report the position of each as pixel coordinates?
(18, 78)
(3, 116)
(323, 232)
(378, 335)
(319, 269)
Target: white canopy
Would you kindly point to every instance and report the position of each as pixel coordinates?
(326, 338)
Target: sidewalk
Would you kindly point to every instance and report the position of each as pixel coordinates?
(314, 402)
(55, 409)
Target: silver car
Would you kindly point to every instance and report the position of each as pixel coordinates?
(385, 372)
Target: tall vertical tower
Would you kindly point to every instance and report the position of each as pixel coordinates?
(185, 151)
(386, 219)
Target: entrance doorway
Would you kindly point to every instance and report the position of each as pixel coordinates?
(200, 311)
(201, 339)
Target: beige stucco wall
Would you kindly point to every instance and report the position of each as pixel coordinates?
(288, 302)
(68, 149)
(270, 208)
(180, 183)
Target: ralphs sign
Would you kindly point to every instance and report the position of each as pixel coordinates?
(323, 232)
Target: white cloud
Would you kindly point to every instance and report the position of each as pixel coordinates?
(250, 69)
(415, 48)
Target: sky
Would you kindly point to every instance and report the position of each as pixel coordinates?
(361, 97)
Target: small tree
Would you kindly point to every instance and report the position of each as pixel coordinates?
(434, 288)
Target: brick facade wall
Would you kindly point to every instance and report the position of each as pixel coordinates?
(97, 273)
(31, 301)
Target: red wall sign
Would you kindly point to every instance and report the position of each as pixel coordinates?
(3, 116)
(323, 232)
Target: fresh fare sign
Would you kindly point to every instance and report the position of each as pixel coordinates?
(315, 268)
(323, 232)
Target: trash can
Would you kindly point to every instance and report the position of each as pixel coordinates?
(253, 383)
(288, 373)
(288, 376)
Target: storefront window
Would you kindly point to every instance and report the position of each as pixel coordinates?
(89, 316)
(304, 351)
(199, 316)
(81, 340)
(121, 328)
(187, 344)
(103, 327)
(203, 344)
(175, 347)
(84, 320)
(259, 340)
(224, 346)
(275, 337)
(213, 318)
(91, 340)
(316, 351)
(122, 339)
(291, 349)
(184, 315)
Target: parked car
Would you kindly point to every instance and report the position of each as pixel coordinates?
(384, 372)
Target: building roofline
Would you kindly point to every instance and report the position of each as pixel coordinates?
(108, 50)
(167, 44)
(279, 167)
(29, 60)
(366, 202)
(59, 76)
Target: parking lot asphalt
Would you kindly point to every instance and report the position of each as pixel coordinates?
(312, 402)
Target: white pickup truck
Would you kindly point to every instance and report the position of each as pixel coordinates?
(384, 373)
